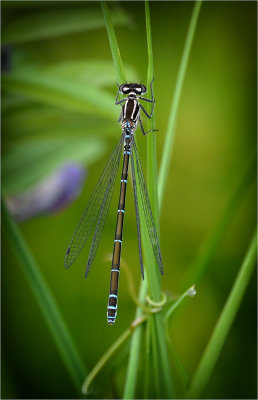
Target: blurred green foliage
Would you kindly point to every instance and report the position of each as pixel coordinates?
(58, 104)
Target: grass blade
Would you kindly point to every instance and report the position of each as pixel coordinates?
(155, 356)
(219, 335)
(170, 134)
(152, 175)
(147, 369)
(210, 245)
(120, 75)
(135, 346)
(163, 364)
(46, 301)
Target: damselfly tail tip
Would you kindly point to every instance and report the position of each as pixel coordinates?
(111, 321)
(111, 315)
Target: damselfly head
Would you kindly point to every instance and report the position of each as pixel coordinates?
(135, 88)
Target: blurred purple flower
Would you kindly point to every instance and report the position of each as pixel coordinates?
(52, 194)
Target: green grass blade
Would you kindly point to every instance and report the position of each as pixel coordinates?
(120, 75)
(219, 335)
(162, 362)
(166, 375)
(210, 245)
(155, 353)
(147, 367)
(170, 134)
(152, 174)
(135, 347)
(152, 271)
(46, 301)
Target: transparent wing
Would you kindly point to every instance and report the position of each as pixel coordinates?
(137, 212)
(96, 208)
(104, 207)
(147, 209)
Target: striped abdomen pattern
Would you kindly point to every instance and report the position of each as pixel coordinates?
(115, 268)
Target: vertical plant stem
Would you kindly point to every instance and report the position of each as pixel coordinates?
(152, 175)
(117, 60)
(170, 134)
(219, 335)
(156, 369)
(158, 337)
(46, 301)
(147, 369)
(132, 372)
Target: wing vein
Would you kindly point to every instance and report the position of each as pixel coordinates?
(152, 232)
(137, 212)
(90, 217)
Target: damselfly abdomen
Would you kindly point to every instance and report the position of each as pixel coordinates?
(94, 216)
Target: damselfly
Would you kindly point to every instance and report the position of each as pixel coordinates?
(94, 216)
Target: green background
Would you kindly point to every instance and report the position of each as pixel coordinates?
(214, 146)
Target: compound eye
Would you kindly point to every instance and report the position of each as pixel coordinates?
(143, 89)
(124, 89)
(138, 89)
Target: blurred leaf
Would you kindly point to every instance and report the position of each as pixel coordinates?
(21, 5)
(46, 301)
(95, 72)
(50, 89)
(49, 23)
(36, 120)
(12, 102)
(26, 163)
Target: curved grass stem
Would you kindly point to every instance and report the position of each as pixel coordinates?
(103, 360)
